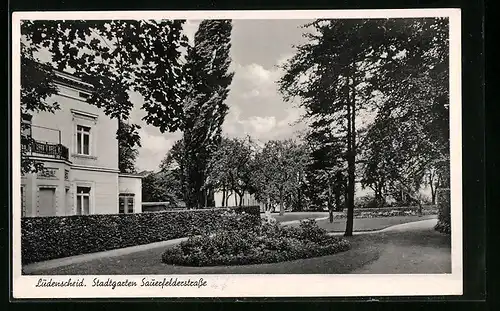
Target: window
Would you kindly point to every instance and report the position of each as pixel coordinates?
(126, 203)
(83, 139)
(82, 200)
(26, 125)
(46, 201)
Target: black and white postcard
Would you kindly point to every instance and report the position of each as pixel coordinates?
(237, 153)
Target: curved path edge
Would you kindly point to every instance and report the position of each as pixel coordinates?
(413, 225)
(66, 261)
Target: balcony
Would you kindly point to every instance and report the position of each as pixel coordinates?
(50, 146)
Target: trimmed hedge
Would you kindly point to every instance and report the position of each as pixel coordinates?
(268, 243)
(45, 238)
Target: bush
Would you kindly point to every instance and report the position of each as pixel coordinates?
(367, 201)
(44, 238)
(444, 217)
(252, 210)
(390, 212)
(267, 243)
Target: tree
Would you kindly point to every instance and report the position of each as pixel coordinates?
(207, 72)
(128, 138)
(116, 57)
(433, 179)
(37, 85)
(161, 186)
(326, 162)
(231, 168)
(340, 72)
(277, 167)
(335, 65)
(410, 136)
(175, 163)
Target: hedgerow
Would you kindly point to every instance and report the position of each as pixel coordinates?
(44, 238)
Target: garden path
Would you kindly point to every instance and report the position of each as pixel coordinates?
(366, 251)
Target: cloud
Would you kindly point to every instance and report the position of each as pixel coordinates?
(258, 125)
(154, 148)
(255, 106)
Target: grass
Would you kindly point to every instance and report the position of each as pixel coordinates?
(421, 251)
(369, 224)
(289, 216)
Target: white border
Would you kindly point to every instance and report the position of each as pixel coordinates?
(259, 285)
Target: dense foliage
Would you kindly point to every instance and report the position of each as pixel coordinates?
(267, 243)
(128, 141)
(444, 220)
(277, 176)
(116, 57)
(393, 69)
(207, 73)
(231, 168)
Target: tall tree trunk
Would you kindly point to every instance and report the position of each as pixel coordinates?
(282, 207)
(241, 198)
(223, 195)
(235, 198)
(433, 190)
(299, 194)
(338, 206)
(330, 207)
(227, 198)
(351, 160)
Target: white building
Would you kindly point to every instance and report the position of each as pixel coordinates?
(79, 149)
(234, 199)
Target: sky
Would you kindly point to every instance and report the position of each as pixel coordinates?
(255, 106)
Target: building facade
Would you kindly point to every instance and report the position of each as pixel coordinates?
(79, 150)
(234, 200)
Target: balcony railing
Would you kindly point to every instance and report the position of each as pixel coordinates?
(36, 143)
(57, 151)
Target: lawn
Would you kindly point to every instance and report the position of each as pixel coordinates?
(289, 216)
(369, 224)
(421, 251)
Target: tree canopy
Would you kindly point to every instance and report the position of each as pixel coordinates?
(278, 169)
(116, 57)
(395, 69)
(208, 78)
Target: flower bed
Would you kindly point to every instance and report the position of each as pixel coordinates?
(267, 243)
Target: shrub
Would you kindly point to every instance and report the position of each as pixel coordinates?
(444, 217)
(252, 210)
(45, 238)
(266, 243)
(390, 212)
(367, 201)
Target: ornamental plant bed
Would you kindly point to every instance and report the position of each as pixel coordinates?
(268, 243)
